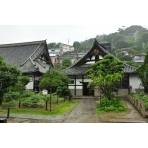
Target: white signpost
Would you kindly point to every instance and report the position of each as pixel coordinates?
(45, 92)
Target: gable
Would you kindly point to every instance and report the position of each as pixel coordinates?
(25, 55)
(93, 55)
(96, 53)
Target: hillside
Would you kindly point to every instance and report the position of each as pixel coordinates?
(134, 39)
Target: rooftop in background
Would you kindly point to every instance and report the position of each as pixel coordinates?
(107, 46)
(25, 56)
(139, 58)
(97, 52)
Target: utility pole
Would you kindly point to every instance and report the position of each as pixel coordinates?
(86, 45)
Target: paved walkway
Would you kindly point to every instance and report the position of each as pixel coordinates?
(84, 112)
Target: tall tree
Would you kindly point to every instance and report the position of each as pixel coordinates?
(52, 79)
(66, 63)
(106, 74)
(8, 77)
(143, 73)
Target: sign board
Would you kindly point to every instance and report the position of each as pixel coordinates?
(45, 92)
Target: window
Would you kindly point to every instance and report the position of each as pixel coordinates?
(71, 81)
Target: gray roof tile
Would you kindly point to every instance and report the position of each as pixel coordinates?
(23, 55)
(79, 68)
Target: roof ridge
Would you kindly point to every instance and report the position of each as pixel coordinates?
(21, 43)
(31, 55)
(107, 52)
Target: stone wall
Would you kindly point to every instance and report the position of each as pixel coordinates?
(139, 105)
(79, 92)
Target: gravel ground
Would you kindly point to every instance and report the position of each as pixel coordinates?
(84, 112)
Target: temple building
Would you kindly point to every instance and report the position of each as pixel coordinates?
(31, 58)
(78, 83)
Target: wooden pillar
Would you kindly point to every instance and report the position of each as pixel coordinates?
(75, 86)
(33, 81)
(129, 88)
(82, 85)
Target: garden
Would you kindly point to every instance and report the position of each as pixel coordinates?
(107, 75)
(36, 104)
(15, 98)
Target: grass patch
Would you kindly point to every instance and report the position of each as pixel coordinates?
(114, 105)
(142, 97)
(56, 109)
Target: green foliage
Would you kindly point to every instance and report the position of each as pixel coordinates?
(143, 73)
(53, 45)
(10, 96)
(66, 62)
(20, 86)
(116, 104)
(124, 57)
(52, 79)
(60, 109)
(63, 91)
(106, 74)
(134, 37)
(32, 101)
(8, 77)
(131, 63)
(142, 97)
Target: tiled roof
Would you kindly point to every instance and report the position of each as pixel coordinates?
(77, 70)
(80, 68)
(24, 55)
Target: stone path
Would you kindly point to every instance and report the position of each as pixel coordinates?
(84, 112)
(24, 118)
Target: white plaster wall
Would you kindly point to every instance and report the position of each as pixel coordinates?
(79, 87)
(71, 87)
(78, 81)
(29, 85)
(87, 80)
(135, 82)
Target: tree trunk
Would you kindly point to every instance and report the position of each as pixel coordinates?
(1, 101)
(146, 89)
(1, 98)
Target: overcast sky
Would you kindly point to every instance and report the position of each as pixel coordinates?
(107, 16)
(53, 33)
(63, 20)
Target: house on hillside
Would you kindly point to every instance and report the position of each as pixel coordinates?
(56, 51)
(55, 58)
(107, 46)
(66, 48)
(139, 58)
(78, 83)
(31, 58)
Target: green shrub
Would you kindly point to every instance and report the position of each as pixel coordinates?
(26, 102)
(115, 104)
(142, 97)
(11, 96)
(27, 93)
(10, 104)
